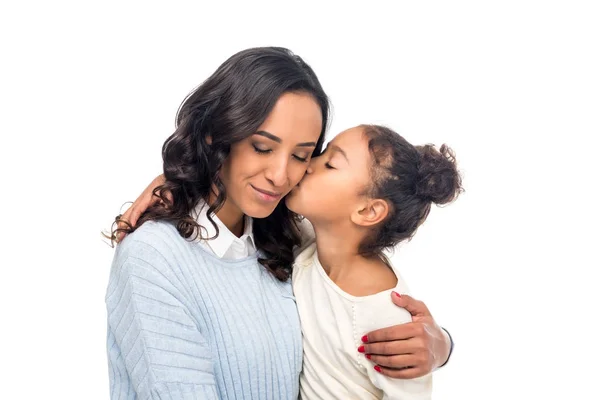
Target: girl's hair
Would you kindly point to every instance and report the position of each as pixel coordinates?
(409, 178)
(227, 108)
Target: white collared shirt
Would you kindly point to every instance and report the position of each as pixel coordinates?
(226, 246)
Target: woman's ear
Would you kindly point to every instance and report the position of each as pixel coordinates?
(370, 213)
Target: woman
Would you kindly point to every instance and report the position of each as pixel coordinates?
(217, 318)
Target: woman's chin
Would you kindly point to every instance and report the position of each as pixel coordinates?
(259, 210)
(291, 203)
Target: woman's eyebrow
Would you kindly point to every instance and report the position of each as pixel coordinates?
(307, 144)
(269, 136)
(278, 139)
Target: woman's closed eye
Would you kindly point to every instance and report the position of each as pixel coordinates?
(263, 150)
(328, 166)
(301, 159)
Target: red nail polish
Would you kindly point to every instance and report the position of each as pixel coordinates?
(361, 349)
(368, 356)
(397, 294)
(364, 339)
(377, 368)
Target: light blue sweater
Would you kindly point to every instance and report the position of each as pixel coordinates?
(184, 324)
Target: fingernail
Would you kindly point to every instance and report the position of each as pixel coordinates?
(397, 294)
(364, 339)
(368, 356)
(378, 368)
(361, 349)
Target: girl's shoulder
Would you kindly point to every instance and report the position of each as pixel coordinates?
(307, 236)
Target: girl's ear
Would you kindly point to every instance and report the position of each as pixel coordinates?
(370, 213)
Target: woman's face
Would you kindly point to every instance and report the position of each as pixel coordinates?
(264, 167)
(335, 183)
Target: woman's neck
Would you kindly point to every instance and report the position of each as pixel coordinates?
(231, 216)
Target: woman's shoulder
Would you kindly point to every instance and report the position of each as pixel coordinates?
(146, 255)
(154, 239)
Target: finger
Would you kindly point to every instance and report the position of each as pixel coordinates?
(408, 373)
(127, 215)
(122, 228)
(396, 332)
(122, 224)
(414, 307)
(169, 196)
(396, 347)
(135, 214)
(395, 362)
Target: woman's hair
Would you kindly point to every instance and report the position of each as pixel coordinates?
(409, 178)
(227, 108)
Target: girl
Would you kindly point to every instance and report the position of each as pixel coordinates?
(370, 190)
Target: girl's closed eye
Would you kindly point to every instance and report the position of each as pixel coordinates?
(328, 166)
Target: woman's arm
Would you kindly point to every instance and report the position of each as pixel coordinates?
(151, 331)
(409, 350)
(418, 388)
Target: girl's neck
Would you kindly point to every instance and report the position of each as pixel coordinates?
(337, 247)
(357, 275)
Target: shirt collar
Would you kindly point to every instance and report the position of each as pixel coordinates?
(226, 239)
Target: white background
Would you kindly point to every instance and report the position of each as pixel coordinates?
(89, 91)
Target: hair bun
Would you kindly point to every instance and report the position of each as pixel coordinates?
(438, 179)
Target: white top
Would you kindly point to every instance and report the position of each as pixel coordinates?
(333, 323)
(226, 246)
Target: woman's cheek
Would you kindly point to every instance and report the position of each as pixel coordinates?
(297, 175)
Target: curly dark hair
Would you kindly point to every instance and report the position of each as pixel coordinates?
(227, 108)
(410, 178)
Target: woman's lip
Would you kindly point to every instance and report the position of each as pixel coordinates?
(266, 192)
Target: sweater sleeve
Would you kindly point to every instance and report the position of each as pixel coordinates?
(163, 351)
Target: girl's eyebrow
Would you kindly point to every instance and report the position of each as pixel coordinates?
(338, 149)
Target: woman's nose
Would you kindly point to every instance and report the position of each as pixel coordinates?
(277, 173)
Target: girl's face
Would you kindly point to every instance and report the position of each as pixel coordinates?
(264, 167)
(336, 183)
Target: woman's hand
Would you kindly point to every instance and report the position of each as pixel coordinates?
(141, 204)
(408, 350)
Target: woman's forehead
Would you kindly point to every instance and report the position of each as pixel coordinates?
(296, 117)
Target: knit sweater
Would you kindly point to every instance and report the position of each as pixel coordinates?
(183, 323)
